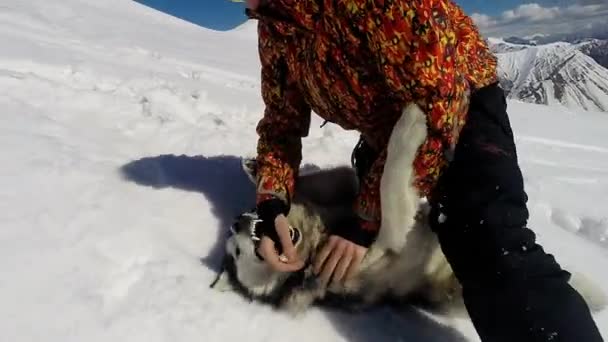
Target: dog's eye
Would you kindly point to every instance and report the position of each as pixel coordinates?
(233, 229)
(237, 252)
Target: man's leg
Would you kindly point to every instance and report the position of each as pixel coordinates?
(513, 290)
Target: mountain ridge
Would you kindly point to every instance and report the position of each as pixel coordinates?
(554, 73)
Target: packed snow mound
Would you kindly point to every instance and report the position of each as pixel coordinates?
(556, 73)
(121, 134)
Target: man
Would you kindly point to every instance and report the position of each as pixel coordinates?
(418, 82)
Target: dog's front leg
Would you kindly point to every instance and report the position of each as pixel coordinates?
(301, 298)
(297, 303)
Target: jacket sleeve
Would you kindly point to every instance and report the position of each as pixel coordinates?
(417, 52)
(367, 205)
(285, 122)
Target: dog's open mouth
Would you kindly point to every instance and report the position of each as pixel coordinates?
(294, 234)
(256, 235)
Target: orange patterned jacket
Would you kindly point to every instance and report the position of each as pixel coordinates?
(358, 63)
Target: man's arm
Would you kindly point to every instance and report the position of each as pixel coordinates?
(285, 122)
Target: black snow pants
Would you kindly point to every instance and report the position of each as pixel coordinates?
(513, 290)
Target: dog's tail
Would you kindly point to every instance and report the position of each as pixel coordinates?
(591, 292)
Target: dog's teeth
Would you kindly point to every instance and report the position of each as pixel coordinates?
(254, 235)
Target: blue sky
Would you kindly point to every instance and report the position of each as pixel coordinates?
(214, 14)
(504, 17)
(223, 14)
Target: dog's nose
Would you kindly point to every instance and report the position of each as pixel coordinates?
(237, 226)
(240, 222)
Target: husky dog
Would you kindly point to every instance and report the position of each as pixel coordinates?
(418, 274)
(322, 200)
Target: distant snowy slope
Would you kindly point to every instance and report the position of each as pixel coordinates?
(557, 73)
(121, 133)
(596, 49)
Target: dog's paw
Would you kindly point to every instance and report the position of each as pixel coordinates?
(298, 303)
(222, 283)
(592, 292)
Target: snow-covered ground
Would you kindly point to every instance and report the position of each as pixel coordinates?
(92, 88)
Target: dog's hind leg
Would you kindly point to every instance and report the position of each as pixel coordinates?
(591, 292)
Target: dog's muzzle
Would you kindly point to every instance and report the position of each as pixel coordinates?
(256, 235)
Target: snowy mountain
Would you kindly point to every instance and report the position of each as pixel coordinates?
(90, 253)
(592, 31)
(592, 47)
(523, 40)
(556, 73)
(502, 46)
(596, 49)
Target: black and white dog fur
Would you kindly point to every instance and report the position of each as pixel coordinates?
(404, 265)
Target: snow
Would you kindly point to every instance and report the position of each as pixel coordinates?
(89, 253)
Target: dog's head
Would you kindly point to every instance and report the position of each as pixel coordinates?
(321, 199)
(244, 270)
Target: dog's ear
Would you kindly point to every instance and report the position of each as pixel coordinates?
(250, 166)
(222, 282)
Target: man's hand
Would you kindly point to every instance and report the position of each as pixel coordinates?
(339, 260)
(268, 252)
